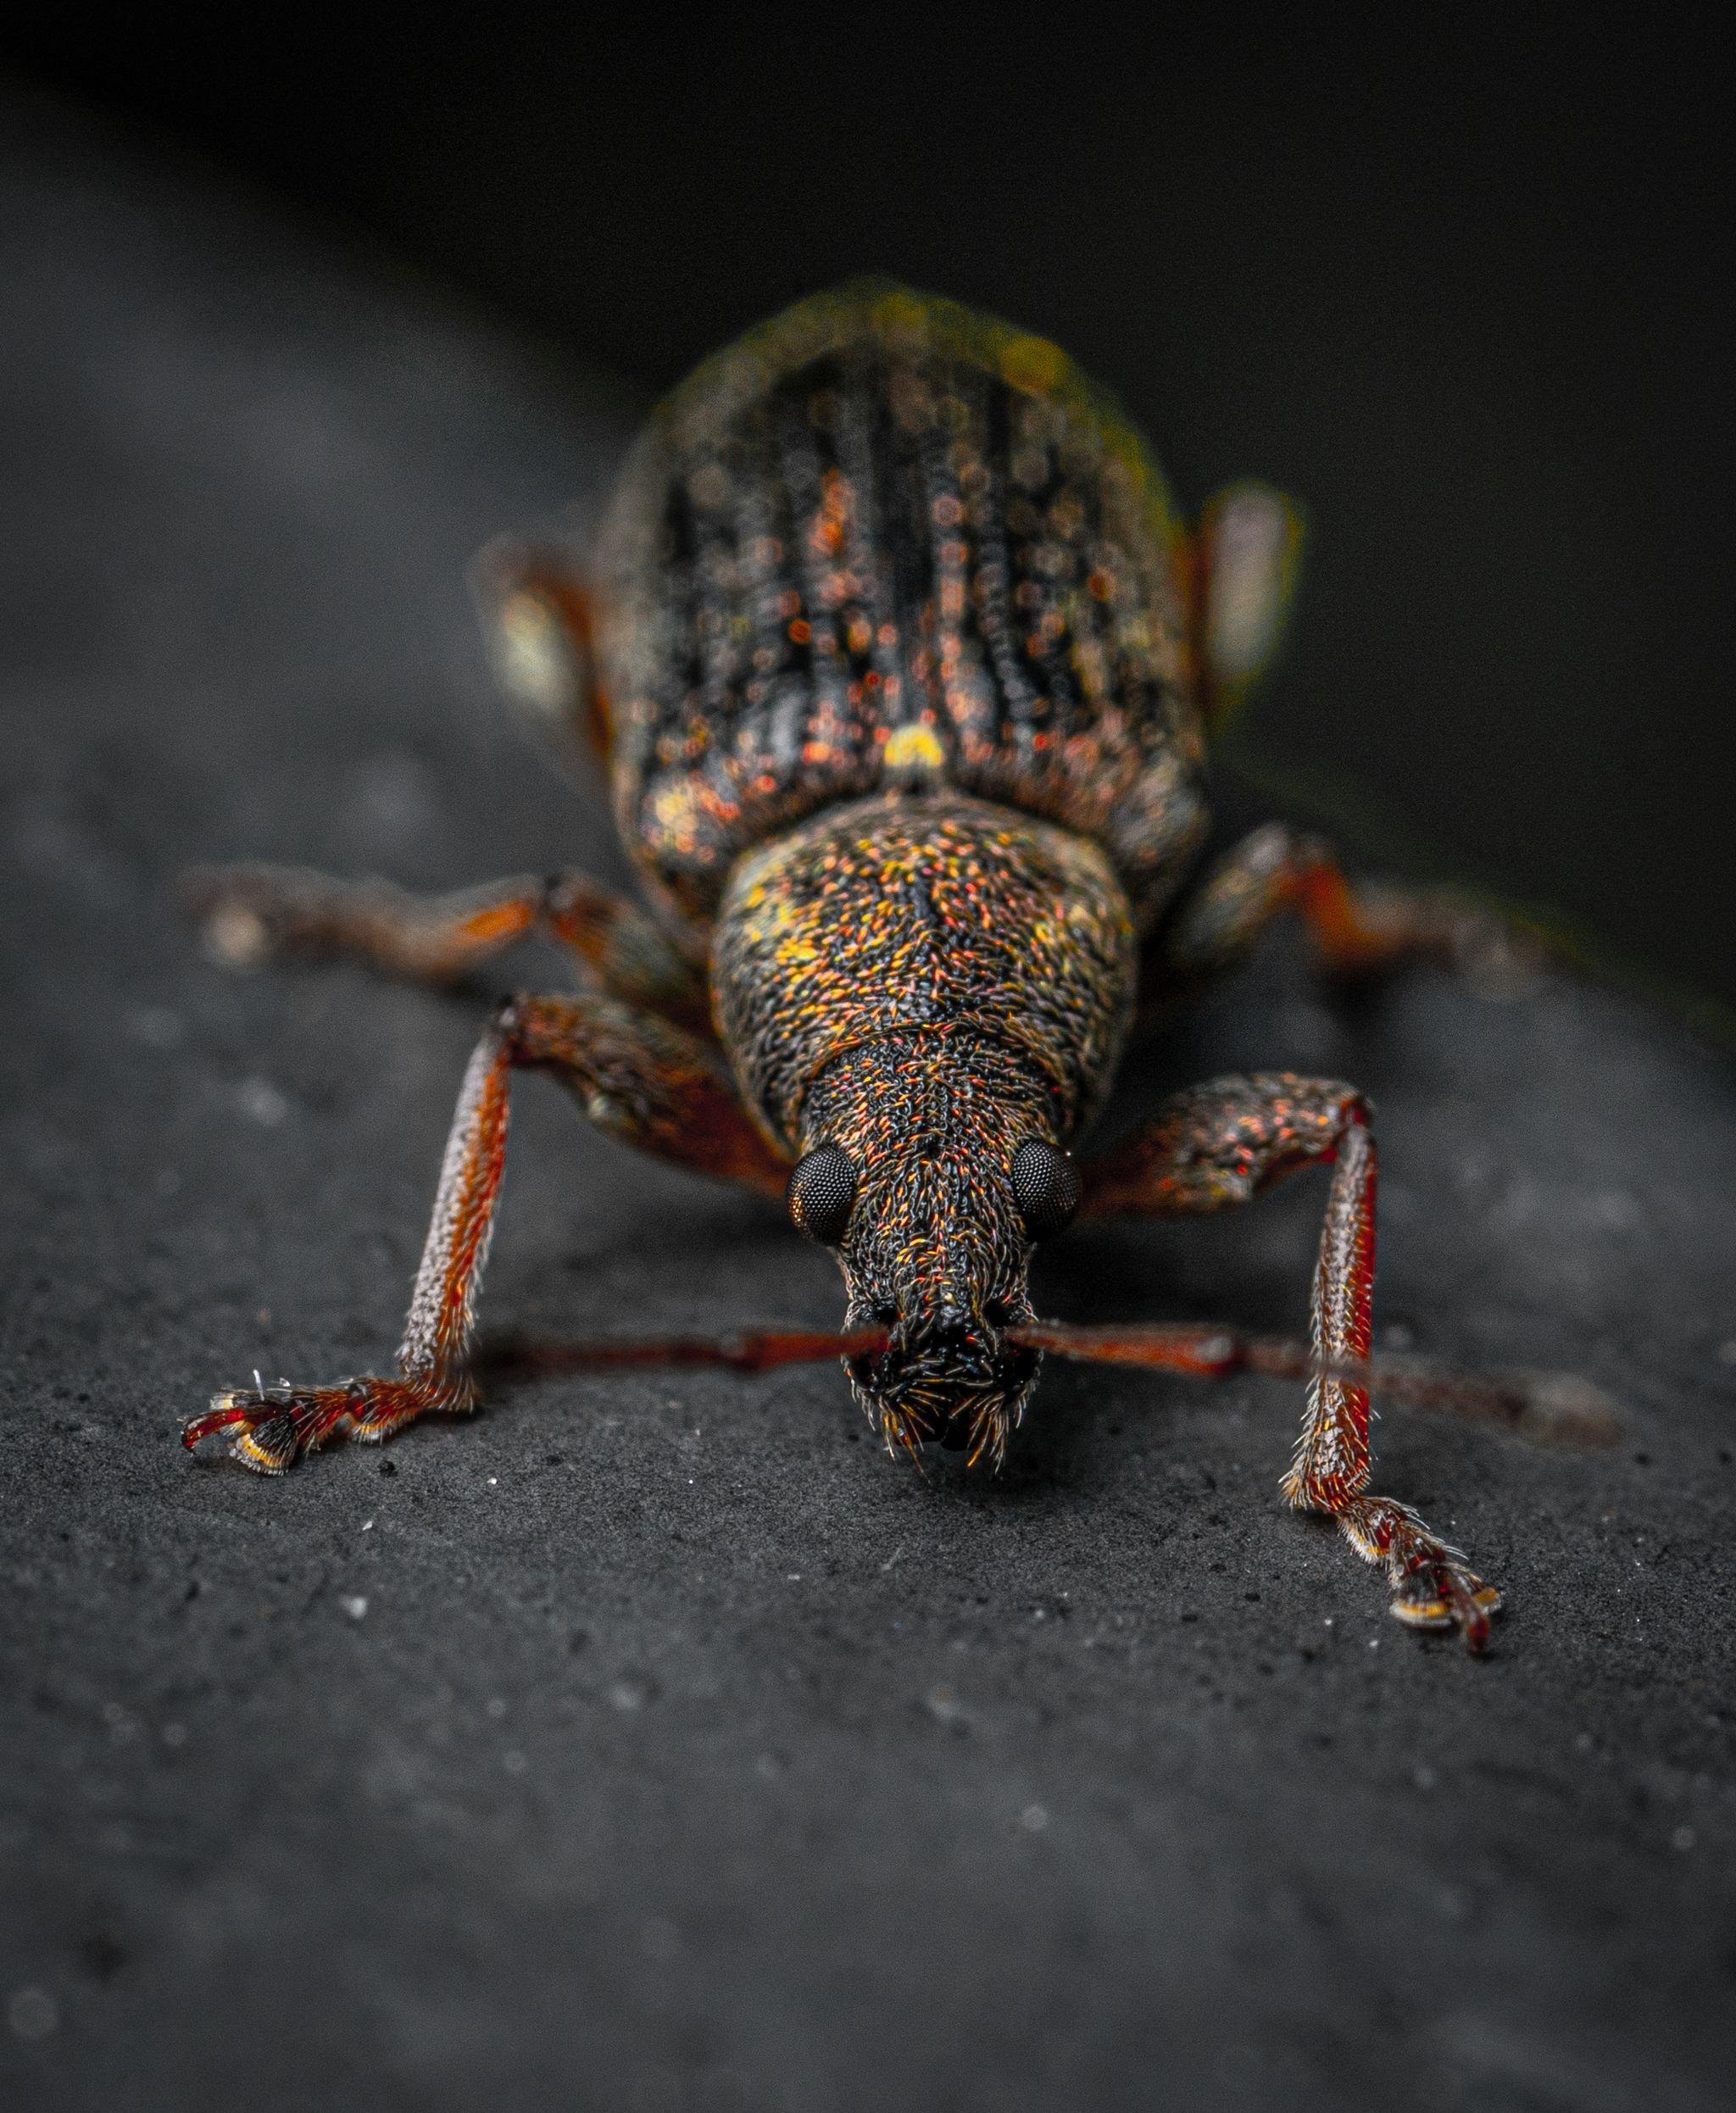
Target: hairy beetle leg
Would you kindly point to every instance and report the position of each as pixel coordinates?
(1221, 1144)
(756, 1352)
(253, 913)
(274, 1427)
(638, 1078)
(1548, 1408)
(250, 914)
(1358, 930)
(1432, 1588)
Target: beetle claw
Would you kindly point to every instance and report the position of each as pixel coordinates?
(1446, 1595)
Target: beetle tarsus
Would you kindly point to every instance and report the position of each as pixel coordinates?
(1442, 1594)
(275, 1426)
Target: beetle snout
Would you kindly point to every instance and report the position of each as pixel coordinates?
(948, 1374)
(923, 1324)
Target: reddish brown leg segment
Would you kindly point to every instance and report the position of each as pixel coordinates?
(629, 954)
(1357, 931)
(637, 1078)
(1221, 1144)
(1432, 1586)
(252, 914)
(1549, 1408)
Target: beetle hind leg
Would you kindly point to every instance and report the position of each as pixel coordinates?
(250, 914)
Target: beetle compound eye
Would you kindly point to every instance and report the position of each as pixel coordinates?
(1046, 1182)
(822, 1189)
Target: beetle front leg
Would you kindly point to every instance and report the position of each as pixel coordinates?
(1432, 1586)
(1222, 1144)
(638, 1079)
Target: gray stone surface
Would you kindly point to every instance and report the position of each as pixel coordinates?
(651, 1741)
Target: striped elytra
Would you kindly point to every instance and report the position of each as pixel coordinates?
(886, 542)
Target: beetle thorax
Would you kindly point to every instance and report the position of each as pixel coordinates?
(910, 915)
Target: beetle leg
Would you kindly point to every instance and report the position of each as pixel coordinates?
(1549, 1407)
(1221, 1144)
(630, 953)
(1432, 1586)
(251, 913)
(636, 1078)
(749, 1351)
(539, 617)
(1357, 930)
(1239, 573)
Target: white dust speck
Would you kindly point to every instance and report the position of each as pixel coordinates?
(1033, 1818)
(354, 1608)
(1683, 1838)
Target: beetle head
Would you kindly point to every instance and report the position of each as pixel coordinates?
(911, 1145)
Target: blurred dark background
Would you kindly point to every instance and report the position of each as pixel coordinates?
(1460, 297)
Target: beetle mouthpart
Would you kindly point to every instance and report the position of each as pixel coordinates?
(953, 1378)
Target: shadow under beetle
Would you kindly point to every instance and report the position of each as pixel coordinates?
(898, 660)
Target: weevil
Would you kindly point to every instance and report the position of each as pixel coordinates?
(897, 662)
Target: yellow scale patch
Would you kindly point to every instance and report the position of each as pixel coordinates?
(914, 746)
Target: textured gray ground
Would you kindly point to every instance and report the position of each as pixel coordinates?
(688, 1752)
